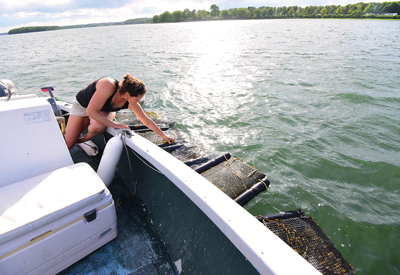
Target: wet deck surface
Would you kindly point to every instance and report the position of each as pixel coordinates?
(136, 250)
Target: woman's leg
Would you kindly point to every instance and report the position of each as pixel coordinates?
(95, 128)
(74, 129)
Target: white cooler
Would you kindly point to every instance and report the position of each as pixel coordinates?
(50, 221)
(52, 212)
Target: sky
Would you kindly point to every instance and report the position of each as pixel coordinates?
(21, 13)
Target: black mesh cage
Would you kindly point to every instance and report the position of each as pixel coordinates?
(129, 118)
(233, 177)
(305, 236)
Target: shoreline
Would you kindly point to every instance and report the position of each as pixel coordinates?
(55, 28)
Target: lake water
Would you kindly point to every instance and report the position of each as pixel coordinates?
(314, 104)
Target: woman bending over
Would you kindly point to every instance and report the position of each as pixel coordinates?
(97, 104)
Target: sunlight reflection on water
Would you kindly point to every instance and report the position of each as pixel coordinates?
(313, 103)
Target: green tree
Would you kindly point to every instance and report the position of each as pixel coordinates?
(271, 11)
(257, 13)
(264, 12)
(370, 8)
(165, 17)
(391, 7)
(251, 9)
(396, 7)
(243, 13)
(339, 10)
(324, 11)
(385, 7)
(291, 11)
(355, 10)
(201, 15)
(282, 11)
(187, 14)
(346, 9)
(293, 8)
(317, 10)
(377, 7)
(156, 19)
(381, 7)
(177, 16)
(214, 10)
(310, 10)
(330, 9)
(233, 12)
(359, 8)
(224, 14)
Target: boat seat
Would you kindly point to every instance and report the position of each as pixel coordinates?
(31, 143)
(53, 220)
(52, 212)
(32, 203)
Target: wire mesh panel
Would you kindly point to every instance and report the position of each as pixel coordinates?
(233, 177)
(191, 152)
(129, 118)
(182, 149)
(158, 140)
(305, 236)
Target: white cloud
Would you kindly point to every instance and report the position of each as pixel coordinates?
(21, 5)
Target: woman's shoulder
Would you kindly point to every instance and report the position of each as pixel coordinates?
(106, 83)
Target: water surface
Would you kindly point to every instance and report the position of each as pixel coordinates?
(314, 104)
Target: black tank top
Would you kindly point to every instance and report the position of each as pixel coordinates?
(84, 96)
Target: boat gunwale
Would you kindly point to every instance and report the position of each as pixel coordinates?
(266, 251)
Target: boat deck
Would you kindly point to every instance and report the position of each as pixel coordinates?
(136, 250)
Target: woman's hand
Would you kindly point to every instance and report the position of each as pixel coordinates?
(137, 109)
(169, 139)
(121, 126)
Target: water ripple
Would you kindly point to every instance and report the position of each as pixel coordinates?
(312, 103)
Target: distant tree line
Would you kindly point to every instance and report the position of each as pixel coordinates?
(136, 21)
(384, 10)
(87, 25)
(34, 29)
(51, 28)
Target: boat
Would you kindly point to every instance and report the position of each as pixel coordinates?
(127, 203)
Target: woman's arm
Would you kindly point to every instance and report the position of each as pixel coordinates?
(104, 89)
(137, 109)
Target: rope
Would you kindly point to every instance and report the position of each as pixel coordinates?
(127, 133)
(152, 168)
(93, 147)
(130, 165)
(269, 204)
(266, 187)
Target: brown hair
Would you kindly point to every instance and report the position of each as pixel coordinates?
(132, 85)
